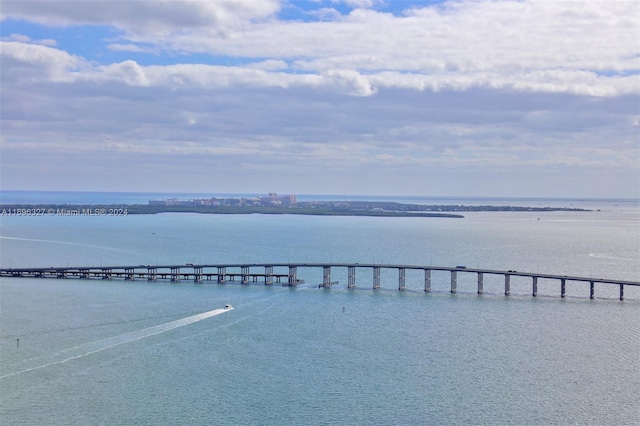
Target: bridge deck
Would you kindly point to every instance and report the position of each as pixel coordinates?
(119, 269)
(242, 271)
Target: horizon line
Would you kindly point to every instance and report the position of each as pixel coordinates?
(342, 196)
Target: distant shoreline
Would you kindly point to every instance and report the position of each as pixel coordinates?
(312, 208)
(142, 209)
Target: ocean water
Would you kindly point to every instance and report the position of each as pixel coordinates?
(116, 352)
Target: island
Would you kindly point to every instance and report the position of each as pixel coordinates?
(271, 204)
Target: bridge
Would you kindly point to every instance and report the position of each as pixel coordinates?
(286, 274)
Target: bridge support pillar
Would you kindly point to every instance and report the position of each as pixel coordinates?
(221, 273)
(480, 282)
(534, 291)
(563, 287)
(61, 273)
(175, 274)
(106, 273)
(152, 274)
(427, 280)
(129, 274)
(507, 284)
(454, 281)
(326, 277)
(621, 291)
(401, 279)
(268, 275)
(84, 274)
(592, 292)
(293, 276)
(352, 277)
(244, 274)
(197, 274)
(376, 277)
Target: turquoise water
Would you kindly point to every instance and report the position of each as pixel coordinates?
(115, 352)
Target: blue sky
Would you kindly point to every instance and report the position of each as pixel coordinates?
(475, 98)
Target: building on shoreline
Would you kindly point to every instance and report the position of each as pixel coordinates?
(272, 199)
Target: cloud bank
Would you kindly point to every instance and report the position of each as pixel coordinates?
(461, 97)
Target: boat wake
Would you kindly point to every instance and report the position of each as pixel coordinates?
(35, 240)
(100, 345)
(614, 256)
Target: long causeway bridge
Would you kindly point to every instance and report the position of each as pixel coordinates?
(286, 274)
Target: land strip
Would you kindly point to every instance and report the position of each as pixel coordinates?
(316, 208)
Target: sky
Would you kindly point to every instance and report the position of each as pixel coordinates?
(369, 97)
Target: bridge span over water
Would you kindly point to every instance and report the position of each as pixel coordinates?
(286, 274)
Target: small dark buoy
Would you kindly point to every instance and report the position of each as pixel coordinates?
(17, 343)
(343, 309)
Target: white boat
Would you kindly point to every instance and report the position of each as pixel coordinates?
(228, 307)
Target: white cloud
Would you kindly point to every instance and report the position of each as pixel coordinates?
(47, 42)
(51, 63)
(128, 72)
(18, 37)
(461, 89)
(117, 47)
(26, 39)
(349, 82)
(529, 45)
(464, 37)
(30, 62)
(359, 4)
(142, 16)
